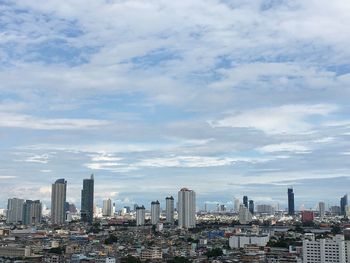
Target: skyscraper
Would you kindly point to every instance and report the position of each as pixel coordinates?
(140, 215)
(58, 201)
(14, 210)
(187, 208)
(87, 200)
(321, 209)
(236, 203)
(32, 212)
(155, 212)
(291, 210)
(107, 207)
(343, 204)
(245, 201)
(251, 206)
(169, 209)
(245, 217)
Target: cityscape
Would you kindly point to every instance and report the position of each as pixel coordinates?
(186, 131)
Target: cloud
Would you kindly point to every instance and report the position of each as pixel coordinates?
(285, 147)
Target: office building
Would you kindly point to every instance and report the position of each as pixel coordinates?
(265, 209)
(307, 216)
(245, 201)
(155, 212)
(335, 210)
(58, 201)
(321, 209)
(14, 210)
(291, 210)
(251, 207)
(32, 212)
(245, 217)
(140, 215)
(324, 250)
(87, 200)
(169, 210)
(236, 204)
(107, 208)
(186, 208)
(343, 204)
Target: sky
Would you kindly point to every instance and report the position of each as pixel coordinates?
(228, 98)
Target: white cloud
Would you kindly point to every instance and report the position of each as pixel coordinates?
(285, 147)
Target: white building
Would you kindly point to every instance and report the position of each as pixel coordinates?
(14, 210)
(154, 253)
(321, 209)
(58, 202)
(140, 215)
(186, 208)
(155, 212)
(169, 209)
(245, 217)
(236, 204)
(107, 208)
(324, 250)
(265, 209)
(240, 241)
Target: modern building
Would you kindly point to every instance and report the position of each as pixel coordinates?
(87, 200)
(265, 209)
(186, 208)
(343, 204)
(32, 212)
(242, 240)
(169, 210)
(251, 207)
(58, 201)
(155, 212)
(14, 210)
(140, 215)
(245, 217)
(236, 204)
(321, 209)
(107, 208)
(324, 250)
(245, 201)
(291, 210)
(307, 216)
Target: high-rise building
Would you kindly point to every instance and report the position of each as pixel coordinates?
(107, 207)
(155, 212)
(245, 217)
(32, 212)
(87, 200)
(186, 208)
(307, 216)
(58, 201)
(265, 209)
(321, 209)
(169, 209)
(291, 210)
(245, 201)
(251, 207)
(14, 210)
(236, 203)
(140, 215)
(343, 204)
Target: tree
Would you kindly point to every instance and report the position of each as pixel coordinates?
(214, 253)
(179, 260)
(111, 239)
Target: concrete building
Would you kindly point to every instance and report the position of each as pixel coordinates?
(307, 216)
(14, 210)
(236, 204)
(155, 212)
(186, 208)
(140, 215)
(324, 250)
(154, 253)
(87, 200)
(32, 212)
(265, 209)
(291, 210)
(169, 210)
(240, 241)
(107, 208)
(58, 202)
(321, 209)
(15, 252)
(245, 217)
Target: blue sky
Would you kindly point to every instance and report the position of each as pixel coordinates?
(228, 98)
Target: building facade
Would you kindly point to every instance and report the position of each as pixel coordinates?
(107, 208)
(14, 210)
(291, 210)
(186, 208)
(32, 212)
(140, 215)
(169, 210)
(58, 201)
(155, 212)
(87, 200)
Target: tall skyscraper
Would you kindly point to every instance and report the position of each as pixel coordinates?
(236, 204)
(291, 210)
(245, 201)
(155, 212)
(107, 207)
(169, 209)
(245, 217)
(140, 215)
(251, 206)
(321, 209)
(343, 204)
(58, 201)
(14, 210)
(32, 212)
(187, 208)
(87, 200)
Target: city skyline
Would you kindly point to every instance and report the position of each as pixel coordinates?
(229, 98)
